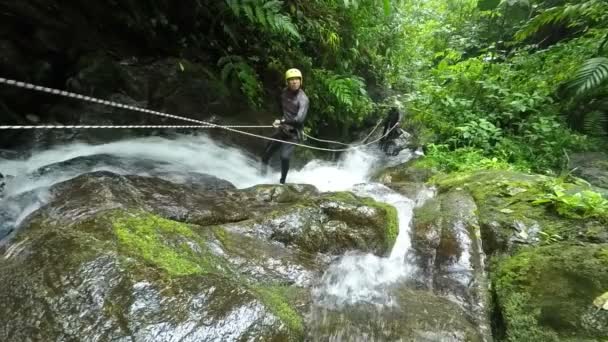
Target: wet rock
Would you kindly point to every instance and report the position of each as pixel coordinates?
(331, 223)
(509, 219)
(120, 275)
(407, 172)
(591, 166)
(547, 293)
(417, 316)
(449, 253)
(416, 191)
(146, 258)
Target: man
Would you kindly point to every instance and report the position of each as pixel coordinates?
(1, 184)
(294, 103)
(393, 118)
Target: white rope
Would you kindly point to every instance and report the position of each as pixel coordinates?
(148, 111)
(113, 126)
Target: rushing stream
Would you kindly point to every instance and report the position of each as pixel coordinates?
(350, 279)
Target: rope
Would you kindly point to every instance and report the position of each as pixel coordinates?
(341, 143)
(204, 124)
(114, 126)
(325, 141)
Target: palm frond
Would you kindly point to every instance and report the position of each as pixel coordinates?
(573, 14)
(596, 123)
(590, 76)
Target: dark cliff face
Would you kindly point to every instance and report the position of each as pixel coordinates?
(141, 53)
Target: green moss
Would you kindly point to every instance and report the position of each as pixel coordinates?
(176, 249)
(277, 299)
(390, 216)
(602, 255)
(341, 196)
(544, 292)
(392, 221)
(169, 245)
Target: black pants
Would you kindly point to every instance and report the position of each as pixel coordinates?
(391, 136)
(286, 151)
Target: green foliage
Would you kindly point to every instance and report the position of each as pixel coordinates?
(585, 204)
(573, 14)
(265, 14)
(342, 98)
(443, 159)
(236, 69)
(480, 133)
(592, 74)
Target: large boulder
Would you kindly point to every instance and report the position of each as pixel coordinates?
(548, 269)
(148, 259)
(449, 254)
(591, 166)
(416, 315)
(508, 216)
(550, 293)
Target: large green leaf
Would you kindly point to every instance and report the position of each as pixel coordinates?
(591, 75)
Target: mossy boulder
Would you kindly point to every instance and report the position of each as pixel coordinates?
(507, 216)
(146, 258)
(449, 253)
(133, 275)
(547, 293)
(330, 223)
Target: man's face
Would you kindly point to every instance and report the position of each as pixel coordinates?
(294, 83)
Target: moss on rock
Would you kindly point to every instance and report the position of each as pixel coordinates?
(278, 299)
(385, 214)
(169, 245)
(507, 214)
(547, 293)
(408, 172)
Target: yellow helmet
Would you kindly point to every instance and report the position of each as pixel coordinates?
(291, 73)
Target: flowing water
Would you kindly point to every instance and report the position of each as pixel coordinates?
(352, 278)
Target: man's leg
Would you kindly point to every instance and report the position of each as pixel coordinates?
(383, 139)
(286, 152)
(270, 149)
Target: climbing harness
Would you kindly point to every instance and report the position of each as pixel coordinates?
(201, 124)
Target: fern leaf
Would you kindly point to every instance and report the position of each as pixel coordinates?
(234, 6)
(595, 123)
(587, 10)
(260, 14)
(551, 15)
(590, 76)
(249, 12)
(283, 24)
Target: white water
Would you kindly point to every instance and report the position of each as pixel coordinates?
(352, 278)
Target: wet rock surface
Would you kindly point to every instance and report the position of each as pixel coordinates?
(416, 315)
(146, 259)
(547, 293)
(449, 254)
(546, 270)
(593, 167)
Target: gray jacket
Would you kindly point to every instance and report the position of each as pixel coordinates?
(295, 108)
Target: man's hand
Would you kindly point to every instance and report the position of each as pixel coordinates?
(276, 123)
